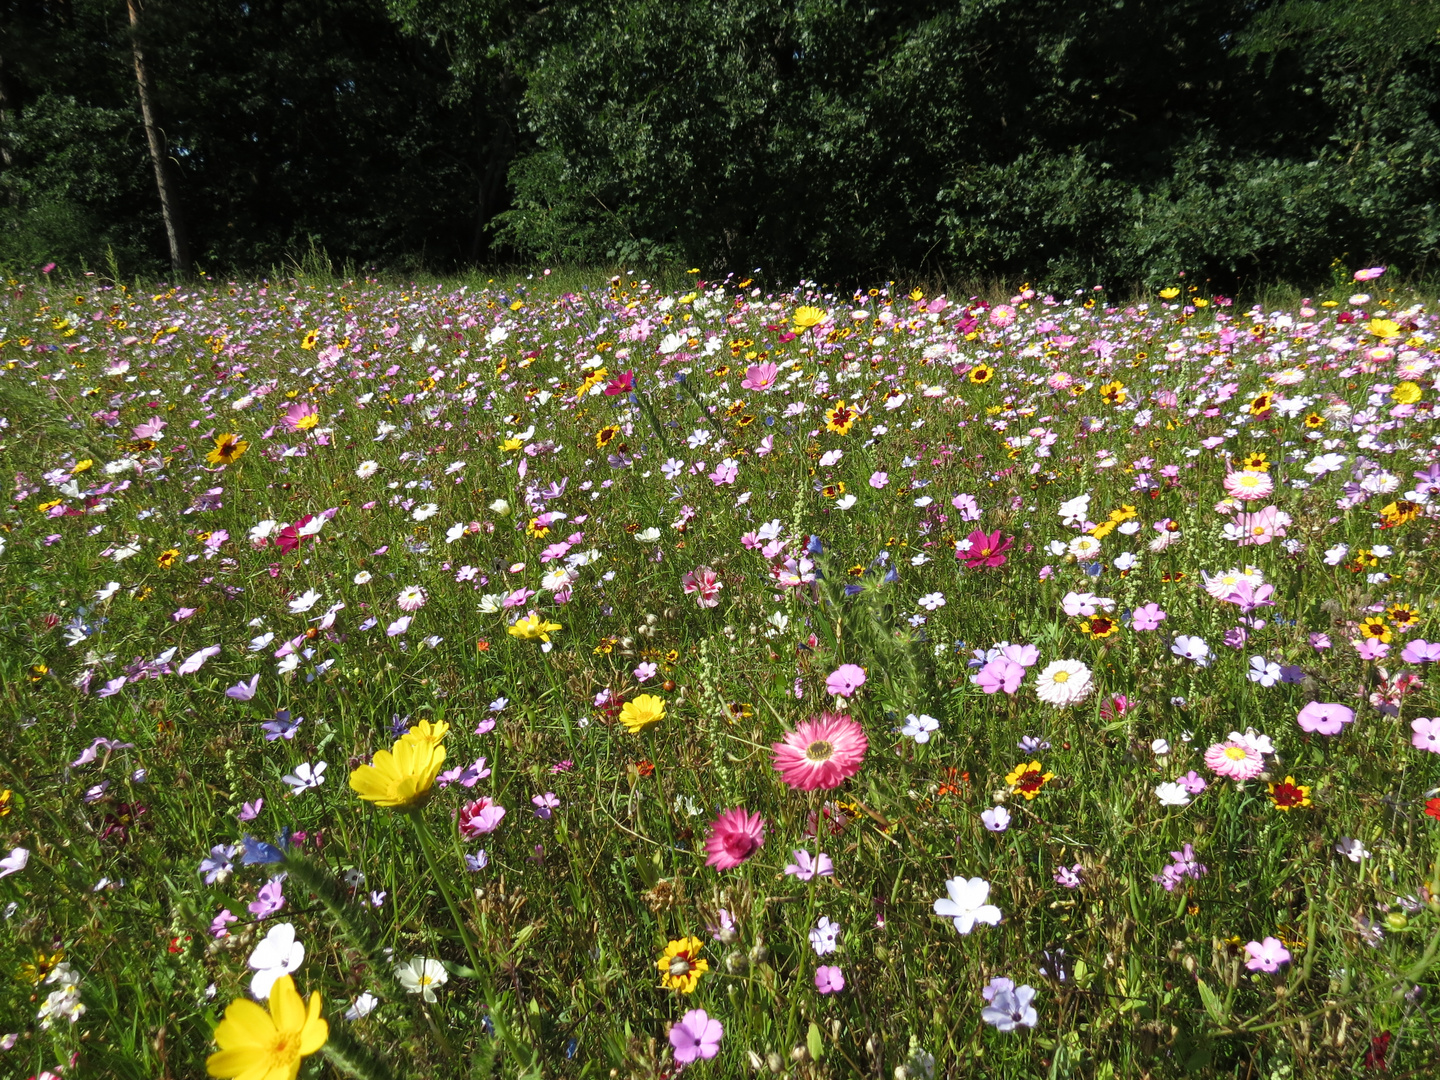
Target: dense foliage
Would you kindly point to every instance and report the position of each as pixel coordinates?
(565, 681)
(1060, 139)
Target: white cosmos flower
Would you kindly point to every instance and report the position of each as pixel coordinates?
(1172, 794)
(422, 975)
(304, 602)
(1064, 682)
(966, 905)
(845, 502)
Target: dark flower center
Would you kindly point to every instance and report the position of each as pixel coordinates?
(819, 750)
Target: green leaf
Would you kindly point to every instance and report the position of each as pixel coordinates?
(812, 1041)
(1214, 1007)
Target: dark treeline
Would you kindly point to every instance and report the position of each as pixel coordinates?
(1070, 140)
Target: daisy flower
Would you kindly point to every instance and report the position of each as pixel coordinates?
(1234, 761)
(734, 837)
(1063, 683)
(821, 752)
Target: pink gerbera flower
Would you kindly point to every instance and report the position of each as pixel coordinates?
(821, 752)
(734, 837)
(1234, 761)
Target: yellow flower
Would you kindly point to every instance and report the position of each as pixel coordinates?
(1385, 329)
(641, 712)
(1170, 293)
(533, 626)
(1027, 780)
(841, 418)
(1114, 392)
(166, 558)
(1407, 393)
(402, 776)
(308, 342)
(82, 466)
(681, 966)
(806, 317)
(6, 798)
(512, 444)
(259, 1045)
(604, 435)
(227, 449)
(981, 374)
(426, 734)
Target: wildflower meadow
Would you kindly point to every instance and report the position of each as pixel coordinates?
(586, 678)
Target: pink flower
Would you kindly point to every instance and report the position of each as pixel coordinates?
(480, 817)
(1371, 649)
(411, 598)
(725, 472)
(697, 1035)
(829, 979)
(735, 836)
(270, 898)
(1024, 655)
(301, 416)
(218, 924)
(985, 550)
(1325, 719)
(1319, 641)
(1248, 596)
(1248, 485)
(1370, 273)
(621, 384)
(704, 584)
(845, 680)
(1267, 955)
(1148, 617)
(1260, 527)
(879, 479)
(1421, 651)
(1234, 761)
(821, 752)
(760, 377)
(1427, 734)
(999, 674)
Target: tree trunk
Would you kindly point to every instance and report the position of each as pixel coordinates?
(169, 205)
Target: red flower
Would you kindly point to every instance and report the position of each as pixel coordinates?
(1432, 809)
(621, 384)
(1379, 1047)
(986, 549)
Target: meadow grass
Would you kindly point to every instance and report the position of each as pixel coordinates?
(424, 464)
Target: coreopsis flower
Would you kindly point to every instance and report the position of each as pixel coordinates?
(821, 752)
(840, 419)
(1064, 682)
(1028, 779)
(734, 837)
(401, 778)
(532, 627)
(257, 1044)
(642, 711)
(1287, 795)
(681, 965)
(227, 449)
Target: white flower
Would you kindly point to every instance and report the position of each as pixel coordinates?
(919, 727)
(107, 592)
(648, 536)
(367, 469)
(424, 513)
(1064, 682)
(966, 904)
(363, 577)
(1073, 511)
(364, 1005)
(279, 954)
(825, 937)
(14, 862)
(304, 602)
(1192, 648)
(919, 560)
(932, 601)
(557, 579)
(830, 457)
(1325, 463)
(1266, 674)
(1126, 560)
(305, 776)
(1335, 555)
(1159, 747)
(500, 508)
(1172, 794)
(1353, 850)
(845, 502)
(1084, 547)
(996, 819)
(421, 975)
(490, 603)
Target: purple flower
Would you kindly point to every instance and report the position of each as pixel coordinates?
(829, 979)
(1009, 1005)
(1030, 744)
(1421, 651)
(1427, 734)
(1192, 782)
(996, 819)
(1068, 877)
(544, 804)
(270, 899)
(1182, 866)
(1002, 673)
(1148, 617)
(218, 865)
(1371, 649)
(243, 691)
(282, 727)
(478, 861)
(251, 810)
(398, 627)
(1319, 641)
(217, 924)
(696, 1036)
(804, 867)
(845, 680)
(1266, 955)
(91, 752)
(465, 777)
(1325, 719)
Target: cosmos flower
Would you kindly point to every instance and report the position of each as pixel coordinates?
(821, 753)
(985, 550)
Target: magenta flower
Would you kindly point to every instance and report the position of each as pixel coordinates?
(1371, 649)
(1427, 734)
(218, 924)
(759, 377)
(845, 680)
(621, 384)
(829, 979)
(1421, 651)
(1001, 673)
(696, 1036)
(1148, 617)
(270, 899)
(985, 550)
(1267, 955)
(1024, 655)
(734, 837)
(1319, 642)
(1325, 719)
(544, 804)
(704, 584)
(300, 416)
(480, 817)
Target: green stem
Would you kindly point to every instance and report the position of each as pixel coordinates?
(427, 845)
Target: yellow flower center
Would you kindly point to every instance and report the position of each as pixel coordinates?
(819, 750)
(1235, 753)
(1061, 677)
